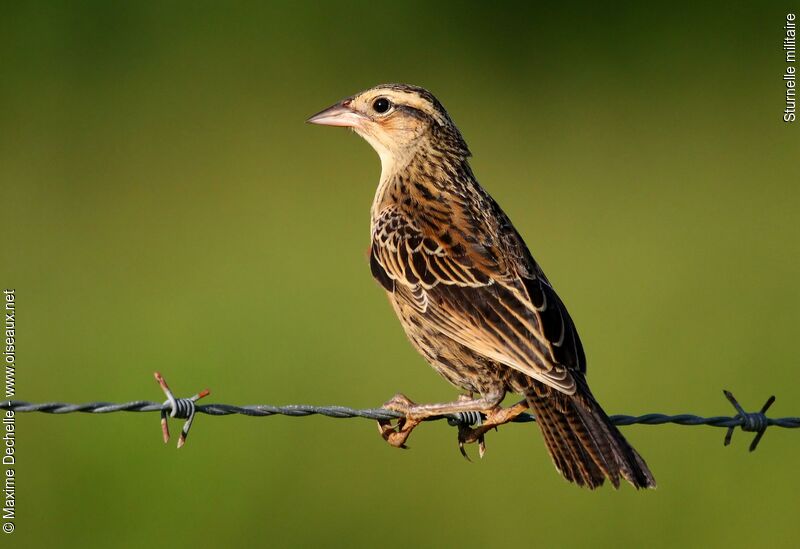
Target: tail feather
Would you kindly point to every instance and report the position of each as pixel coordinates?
(631, 465)
(596, 445)
(579, 453)
(585, 446)
(558, 452)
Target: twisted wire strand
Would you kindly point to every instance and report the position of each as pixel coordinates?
(186, 408)
(303, 410)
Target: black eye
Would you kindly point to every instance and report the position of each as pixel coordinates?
(381, 105)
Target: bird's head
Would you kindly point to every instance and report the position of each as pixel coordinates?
(397, 120)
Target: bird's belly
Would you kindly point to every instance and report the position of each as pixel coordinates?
(458, 364)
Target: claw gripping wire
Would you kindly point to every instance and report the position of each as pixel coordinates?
(182, 408)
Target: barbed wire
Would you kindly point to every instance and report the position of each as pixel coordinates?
(185, 408)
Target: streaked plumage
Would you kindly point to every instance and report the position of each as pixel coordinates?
(469, 294)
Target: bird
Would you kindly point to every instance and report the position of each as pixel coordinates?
(469, 294)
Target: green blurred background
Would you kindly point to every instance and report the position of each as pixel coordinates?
(166, 208)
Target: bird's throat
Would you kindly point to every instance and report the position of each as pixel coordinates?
(414, 182)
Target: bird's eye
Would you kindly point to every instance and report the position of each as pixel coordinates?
(381, 105)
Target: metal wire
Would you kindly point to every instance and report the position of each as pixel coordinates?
(303, 410)
(186, 408)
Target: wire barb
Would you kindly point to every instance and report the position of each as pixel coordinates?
(751, 422)
(467, 419)
(182, 408)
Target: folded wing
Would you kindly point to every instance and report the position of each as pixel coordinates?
(504, 311)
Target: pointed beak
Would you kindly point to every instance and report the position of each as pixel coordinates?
(339, 114)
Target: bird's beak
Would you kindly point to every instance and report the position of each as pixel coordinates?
(339, 114)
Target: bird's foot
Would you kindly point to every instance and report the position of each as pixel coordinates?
(468, 435)
(397, 434)
(401, 404)
(494, 418)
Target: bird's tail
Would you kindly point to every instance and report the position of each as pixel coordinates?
(585, 446)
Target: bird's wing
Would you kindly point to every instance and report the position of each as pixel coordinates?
(473, 294)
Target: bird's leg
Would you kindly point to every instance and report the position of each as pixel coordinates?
(414, 414)
(494, 417)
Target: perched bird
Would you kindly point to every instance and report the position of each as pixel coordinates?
(470, 296)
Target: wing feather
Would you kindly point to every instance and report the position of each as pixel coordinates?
(509, 315)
